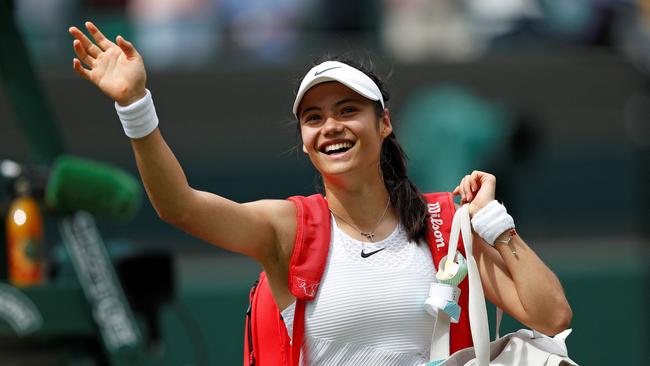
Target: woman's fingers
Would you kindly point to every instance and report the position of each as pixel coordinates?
(469, 186)
(474, 181)
(76, 65)
(467, 189)
(472, 185)
(456, 191)
(81, 53)
(91, 49)
(476, 188)
(127, 47)
(461, 189)
(481, 179)
(103, 42)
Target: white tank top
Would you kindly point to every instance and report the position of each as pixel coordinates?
(369, 311)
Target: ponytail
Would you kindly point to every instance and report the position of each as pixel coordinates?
(407, 200)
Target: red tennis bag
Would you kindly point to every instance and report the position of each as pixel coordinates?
(266, 341)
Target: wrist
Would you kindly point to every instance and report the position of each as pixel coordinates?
(492, 221)
(139, 118)
(505, 237)
(132, 98)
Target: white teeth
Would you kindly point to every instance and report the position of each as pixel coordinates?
(341, 145)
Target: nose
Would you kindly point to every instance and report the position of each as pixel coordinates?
(332, 126)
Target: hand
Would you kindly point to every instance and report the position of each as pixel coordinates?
(116, 69)
(477, 189)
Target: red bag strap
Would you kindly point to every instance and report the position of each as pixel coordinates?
(311, 245)
(441, 209)
(298, 332)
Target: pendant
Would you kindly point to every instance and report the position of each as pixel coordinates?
(369, 236)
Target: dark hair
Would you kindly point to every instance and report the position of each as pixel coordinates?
(407, 200)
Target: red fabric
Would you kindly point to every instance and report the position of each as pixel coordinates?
(298, 332)
(440, 220)
(311, 246)
(307, 264)
(270, 340)
(268, 334)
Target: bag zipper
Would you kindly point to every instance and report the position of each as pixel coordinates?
(249, 328)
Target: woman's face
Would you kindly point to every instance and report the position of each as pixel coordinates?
(340, 130)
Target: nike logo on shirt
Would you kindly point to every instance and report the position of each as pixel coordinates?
(366, 255)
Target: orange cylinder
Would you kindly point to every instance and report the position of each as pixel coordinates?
(25, 242)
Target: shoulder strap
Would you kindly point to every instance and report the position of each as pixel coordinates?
(298, 332)
(311, 246)
(440, 211)
(308, 260)
(266, 339)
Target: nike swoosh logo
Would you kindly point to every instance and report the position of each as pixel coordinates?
(366, 255)
(322, 71)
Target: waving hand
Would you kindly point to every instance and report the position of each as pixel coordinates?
(116, 69)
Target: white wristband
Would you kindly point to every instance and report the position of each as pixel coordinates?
(492, 221)
(138, 118)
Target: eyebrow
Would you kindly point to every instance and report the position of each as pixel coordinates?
(342, 101)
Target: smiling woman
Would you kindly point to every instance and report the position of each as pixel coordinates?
(342, 114)
(353, 294)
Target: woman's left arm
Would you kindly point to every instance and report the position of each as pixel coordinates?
(514, 278)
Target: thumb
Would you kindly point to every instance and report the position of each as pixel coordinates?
(127, 47)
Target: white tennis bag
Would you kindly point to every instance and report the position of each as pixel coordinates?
(522, 348)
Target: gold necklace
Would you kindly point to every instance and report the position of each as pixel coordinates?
(370, 235)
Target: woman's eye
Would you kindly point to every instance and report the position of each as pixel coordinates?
(311, 118)
(348, 110)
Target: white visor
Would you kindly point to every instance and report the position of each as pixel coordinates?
(344, 74)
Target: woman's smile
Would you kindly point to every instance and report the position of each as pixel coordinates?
(339, 126)
(337, 149)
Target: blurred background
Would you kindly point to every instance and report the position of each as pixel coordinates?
(553, 96)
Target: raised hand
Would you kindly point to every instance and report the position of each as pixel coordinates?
(116, 69)
(477, 189)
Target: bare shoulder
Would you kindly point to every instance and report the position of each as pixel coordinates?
(281, 215)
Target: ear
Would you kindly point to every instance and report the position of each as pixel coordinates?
(304, 149)
(386, 127)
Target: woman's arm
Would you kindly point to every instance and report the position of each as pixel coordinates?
(522, 285)
(259, 229)
(254, 229)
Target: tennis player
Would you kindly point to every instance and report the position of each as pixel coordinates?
(369, 307)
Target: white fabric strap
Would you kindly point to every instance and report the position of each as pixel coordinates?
(139, 118)
(442, 298)
(499, 317)
(477, 313)
(492, 221)
(440, 338)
